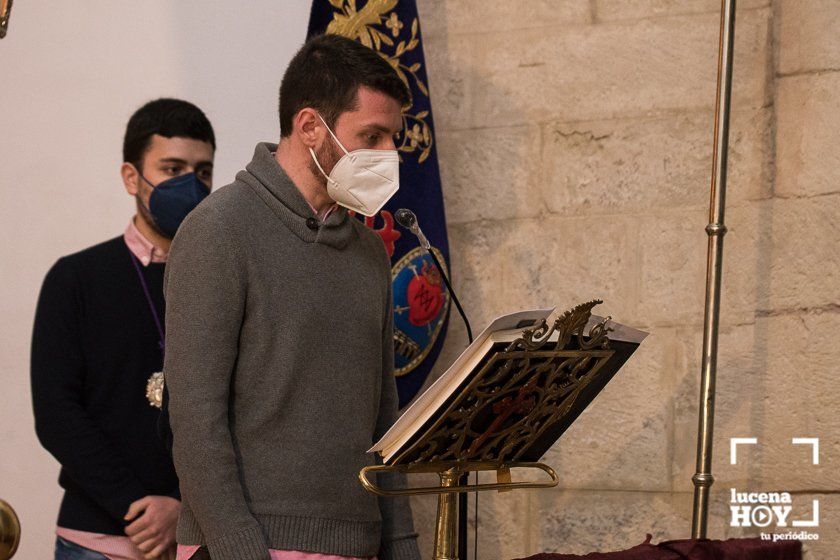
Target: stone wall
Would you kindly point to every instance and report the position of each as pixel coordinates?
(575, 141)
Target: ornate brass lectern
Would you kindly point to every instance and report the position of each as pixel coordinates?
(509, 411)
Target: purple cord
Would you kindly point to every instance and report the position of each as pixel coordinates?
(162, 341)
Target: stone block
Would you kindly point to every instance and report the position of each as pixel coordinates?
(798, 252)
(807, 162)
(612, 70)
(608, 10)
(503, 524)
(808, 35)
(477, 272)
(635, 165)
(746, 283)
(477, 16)
(449, 70)
(529, 263)
(491, 173)
(672, 253)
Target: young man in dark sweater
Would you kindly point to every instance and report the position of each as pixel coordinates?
(280, 353)
(98, 341)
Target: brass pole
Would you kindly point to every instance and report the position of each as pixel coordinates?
(446, 532)
(716, 229)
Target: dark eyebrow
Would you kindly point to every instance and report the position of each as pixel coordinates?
(184, 162)
(380, 128)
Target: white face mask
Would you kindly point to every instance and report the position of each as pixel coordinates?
(362, 180)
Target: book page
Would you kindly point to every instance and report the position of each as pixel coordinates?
(619, 332)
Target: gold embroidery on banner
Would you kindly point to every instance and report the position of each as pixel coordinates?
(374, 25)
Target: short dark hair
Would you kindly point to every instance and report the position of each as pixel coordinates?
(168, 118)
(326, 74)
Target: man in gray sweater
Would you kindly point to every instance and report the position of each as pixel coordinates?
(279, 352)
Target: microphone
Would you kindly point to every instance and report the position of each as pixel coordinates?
(407, 219)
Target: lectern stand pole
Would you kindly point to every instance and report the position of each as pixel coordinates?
(446, 532)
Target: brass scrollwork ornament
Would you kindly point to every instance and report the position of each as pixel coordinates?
(5, 10)
(154, 389)
(571, 324)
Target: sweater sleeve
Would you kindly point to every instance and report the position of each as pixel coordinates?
(62, 423)
(399, 540)
(205, 291)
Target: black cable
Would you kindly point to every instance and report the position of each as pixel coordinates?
(454, 297)
(475, 531)
(463, 512)
(463, 504)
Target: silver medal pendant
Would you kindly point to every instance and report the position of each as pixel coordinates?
(154, 389)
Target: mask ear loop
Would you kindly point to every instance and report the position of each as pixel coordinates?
(340, 145)
(144, 178)
(146, 207)
(318, 165)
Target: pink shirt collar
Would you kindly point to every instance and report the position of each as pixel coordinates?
(330, 209)
(142, 248)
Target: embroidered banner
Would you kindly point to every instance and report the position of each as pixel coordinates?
(421, 300)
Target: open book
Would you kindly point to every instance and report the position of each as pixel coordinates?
(423, 415)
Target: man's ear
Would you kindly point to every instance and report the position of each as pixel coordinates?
(309, 127)
(131, 178)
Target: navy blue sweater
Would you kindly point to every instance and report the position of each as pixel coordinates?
(94, 346)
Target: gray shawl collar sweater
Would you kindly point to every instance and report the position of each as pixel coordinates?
(279, 364)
